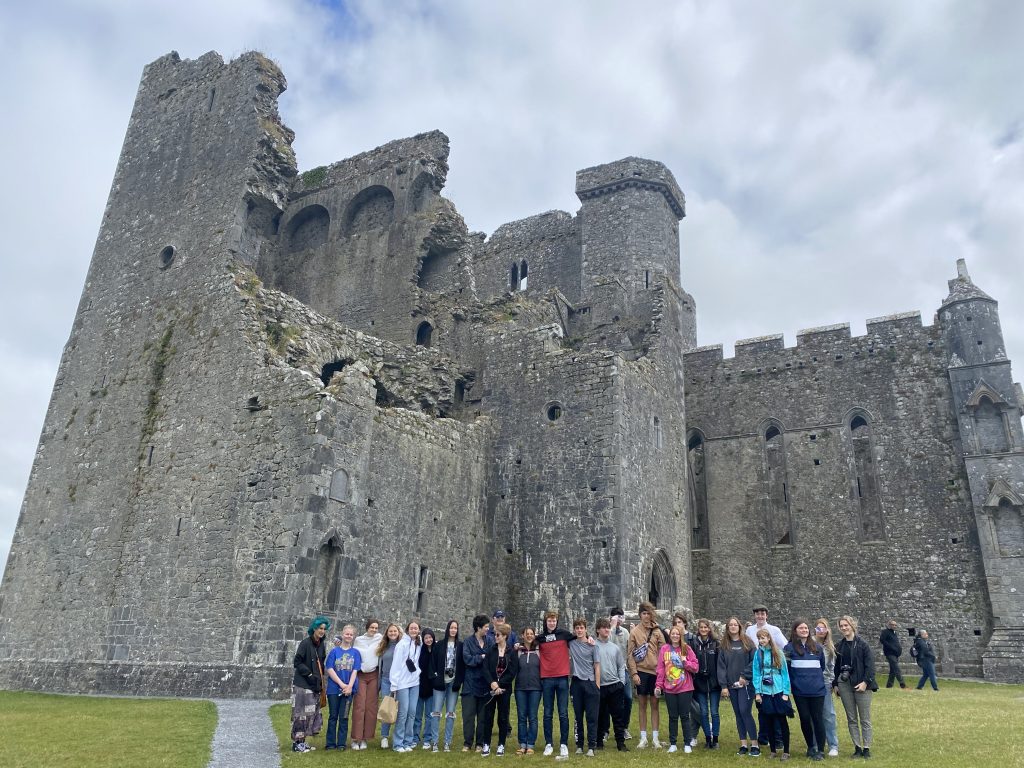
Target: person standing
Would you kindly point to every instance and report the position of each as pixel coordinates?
(364, 704)
(760, 613)
(645, 640)
(386, 655)
(892, 650)
(585, 688)
(447, 680)
(925, 655)
(620, 636)
(475, 690)
(674, 681)
(528, 691)
(498, 618)
(501, 667)
(343, 663)
(424, 725)
(307, 683)
(735, 673)
(806, 661)
(405, 685)
(613, 682)
(855, 682)
(553, 647)
(707, 690)
(823, 635)
(772, 692)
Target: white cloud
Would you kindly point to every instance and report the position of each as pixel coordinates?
(837, 157)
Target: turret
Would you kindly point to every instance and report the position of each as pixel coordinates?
(970, 322)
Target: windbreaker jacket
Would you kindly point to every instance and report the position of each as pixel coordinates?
(806, 670)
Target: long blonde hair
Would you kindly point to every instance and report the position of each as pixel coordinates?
(830, 647)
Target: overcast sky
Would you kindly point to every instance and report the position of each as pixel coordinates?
(837, 158)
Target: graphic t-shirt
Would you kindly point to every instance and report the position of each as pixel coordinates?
(345, 662)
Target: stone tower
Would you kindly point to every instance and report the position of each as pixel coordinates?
(987, 404)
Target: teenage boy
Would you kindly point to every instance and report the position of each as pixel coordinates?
(475, 688)
(585, 688)
(761, 622)
(553, 647)
(613, 681)
(620, 636)
(642, 662)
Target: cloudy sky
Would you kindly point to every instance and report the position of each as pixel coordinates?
(837, 157)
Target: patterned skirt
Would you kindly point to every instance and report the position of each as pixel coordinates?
(306, 717)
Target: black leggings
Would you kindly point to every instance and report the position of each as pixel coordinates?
(776, 728)
(812, 720)
(678, 705)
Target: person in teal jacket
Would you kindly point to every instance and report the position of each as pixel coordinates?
(773, 692)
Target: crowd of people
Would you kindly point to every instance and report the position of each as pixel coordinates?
(604, 672)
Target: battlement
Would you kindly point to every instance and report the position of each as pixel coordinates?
(634, 172)
(541, 226)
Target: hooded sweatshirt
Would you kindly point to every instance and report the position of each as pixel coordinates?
(554, 652)
(675, 670)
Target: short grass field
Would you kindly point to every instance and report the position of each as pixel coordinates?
(964, 724)
(38, 729)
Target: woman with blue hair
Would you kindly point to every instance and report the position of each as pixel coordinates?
(307, 684)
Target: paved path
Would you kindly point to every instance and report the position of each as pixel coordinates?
(244, 736)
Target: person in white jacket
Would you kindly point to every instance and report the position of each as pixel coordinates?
(405, 685)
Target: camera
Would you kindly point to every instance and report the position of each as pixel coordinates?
(449, 671)
(844, 673)
(766, 681)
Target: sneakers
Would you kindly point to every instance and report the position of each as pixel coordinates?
(447, 747)
(579, 750)
(687, 749)
(434, 748)
(501, 750)
(627, 736)
(693, 742)
(301, 746)
(466, 749)
(784, 756)
(590, 753)
(672, 749)
(833, 752)
(818, 756)
(548, 750)
(563, 752)
(866, 753)
(384, 743)
(426, 746)
(742, 751)
(755, 751)
(622, 748)
(642, 744)
(486, 752)
(857, 751)
(654, 740)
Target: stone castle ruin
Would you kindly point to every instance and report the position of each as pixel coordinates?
(293, 394)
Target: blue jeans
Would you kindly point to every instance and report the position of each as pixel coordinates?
(927, 673)
(527, 704)
(831, 735)
(448, 699)
(627, 709)
(428, 730)
(407, 700)
(709, 721)
(385, 690)
(553, 686)
(337, 720)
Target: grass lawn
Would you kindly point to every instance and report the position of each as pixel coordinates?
(964, 724)
(38, 729)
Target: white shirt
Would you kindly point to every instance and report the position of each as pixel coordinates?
(777, 637)
(367, 647)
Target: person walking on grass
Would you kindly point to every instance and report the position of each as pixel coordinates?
(925, 656)
(674, 681)
(343, 663)
(735, 673)
(307, 684)
(364, 703)
(645, 640)
(892, 650)
(855, 683)
(823, 636)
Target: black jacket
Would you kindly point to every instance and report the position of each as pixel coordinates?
(925, 651)
(890, 643)
(858, 656)
(511, 668)
(307, 671)
(706, 652)
(437, 662)
(427, 671)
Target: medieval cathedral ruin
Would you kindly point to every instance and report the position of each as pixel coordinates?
(288, 394)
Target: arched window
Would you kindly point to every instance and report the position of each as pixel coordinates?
(1009, 529)
(308, 228)
(780, 524)
(663, 581)
(865, 487)
(698, 492)
(327, 585)
(989, 427)
(371, 209)
(424, 331)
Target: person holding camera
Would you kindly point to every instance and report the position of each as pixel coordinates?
(806, 661)
(405, 685)
(772, 692)
(446, 679)
(855, 682)
(735, 671)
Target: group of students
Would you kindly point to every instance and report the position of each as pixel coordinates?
(602, 673)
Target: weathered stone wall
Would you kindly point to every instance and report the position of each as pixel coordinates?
(920, 566)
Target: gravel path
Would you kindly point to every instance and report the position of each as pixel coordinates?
(244, 735)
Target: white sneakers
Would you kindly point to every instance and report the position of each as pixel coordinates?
(833, 752)
(590, 753)
(548, 750)
(384, 743)
(563, 752)
(642, 744)
(672, 749)
(687, 749)
(654, 740)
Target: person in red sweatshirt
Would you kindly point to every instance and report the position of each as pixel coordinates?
(553, 646)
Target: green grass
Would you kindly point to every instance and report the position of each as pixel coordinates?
(38, 729)
(964, 724)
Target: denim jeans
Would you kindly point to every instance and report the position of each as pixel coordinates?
(708, 701)
(831, 735)
(928, 674)
(337, 720)
(385, 690)
(447, 699)
(407, 700)
(423, 725)
(552, 687)
(527, 704)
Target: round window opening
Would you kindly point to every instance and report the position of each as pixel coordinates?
(167, 257)
(554, 411)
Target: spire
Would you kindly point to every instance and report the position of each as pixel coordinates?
(962, 289)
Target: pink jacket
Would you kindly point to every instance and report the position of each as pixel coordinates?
(673, 678)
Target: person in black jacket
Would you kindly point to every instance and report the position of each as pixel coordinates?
(892, 650)
(307, 683)
(924, 653)
(448, 670)
(424, 725)
(707, 691)
(855, 682)
(501, 667)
